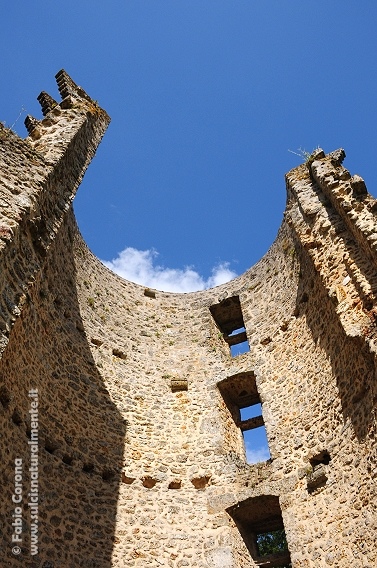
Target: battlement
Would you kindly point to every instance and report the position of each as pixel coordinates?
(40, 176)
(63, 121)
(334, 218)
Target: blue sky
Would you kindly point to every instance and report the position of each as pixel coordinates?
(206, 98)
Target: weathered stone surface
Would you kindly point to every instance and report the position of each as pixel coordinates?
(135, 470)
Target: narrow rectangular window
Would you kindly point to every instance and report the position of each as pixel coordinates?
(237, 341)
(241, 396)
(229, 319)
(254, 434)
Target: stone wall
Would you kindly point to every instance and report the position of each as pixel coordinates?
(141, 456)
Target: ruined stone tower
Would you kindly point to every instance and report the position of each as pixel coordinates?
(121, 432)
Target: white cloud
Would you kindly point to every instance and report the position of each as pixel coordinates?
(139, 266)
(256, 455)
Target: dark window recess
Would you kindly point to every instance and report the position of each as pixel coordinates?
(241, 396)
(17, 418)
(229, 319)
(50, 446)
(260, 524)
(67, 460)
(4, 397)
(317, 478)
(108, 475)
(321, 458)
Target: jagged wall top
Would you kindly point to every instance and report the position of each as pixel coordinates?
(334, 218)
(61, 119)
(40, 176)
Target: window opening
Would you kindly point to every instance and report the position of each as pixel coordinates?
(242, 345)
(260, 523)
(271, 542)
(229, 319)
(254, 434)
(241, 396)
(251, 411)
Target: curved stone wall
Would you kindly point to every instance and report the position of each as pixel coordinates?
(141, 459)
